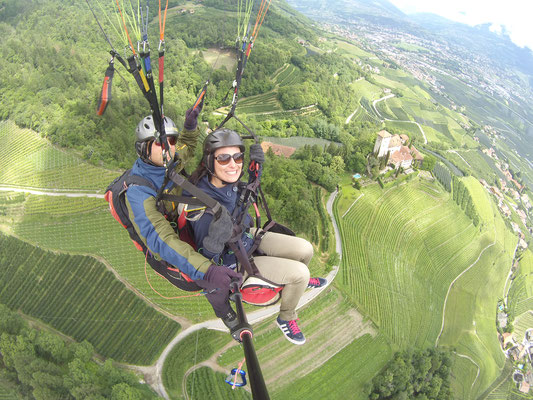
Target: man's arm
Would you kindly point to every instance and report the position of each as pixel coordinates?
(159, 236)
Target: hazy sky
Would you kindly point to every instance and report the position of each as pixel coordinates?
(512, 16)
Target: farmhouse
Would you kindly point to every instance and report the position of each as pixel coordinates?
(502, 319)
(400, 155)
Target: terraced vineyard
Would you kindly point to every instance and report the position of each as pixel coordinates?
(404, 246)
(520, 298)
(85, 226)
(262, 103)
(79, 297)
(288, 75)
(29, 160)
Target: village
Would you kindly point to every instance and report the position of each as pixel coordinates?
(519, 351)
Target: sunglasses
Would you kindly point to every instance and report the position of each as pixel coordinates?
(224, 159)
(172, 140)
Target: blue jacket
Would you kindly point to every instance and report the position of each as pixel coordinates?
(227, 196)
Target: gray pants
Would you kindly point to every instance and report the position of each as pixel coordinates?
(285, 262)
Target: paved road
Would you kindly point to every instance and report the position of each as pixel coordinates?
(50, 192)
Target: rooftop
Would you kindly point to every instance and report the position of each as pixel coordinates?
(383, 133)
(278, 149)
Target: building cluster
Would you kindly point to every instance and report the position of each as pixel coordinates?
(511, 187)
(521, 353)
(397, 149)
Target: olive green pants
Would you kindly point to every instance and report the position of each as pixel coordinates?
(285, 262)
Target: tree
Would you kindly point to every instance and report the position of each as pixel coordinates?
(10, 322)
(429, 162)
(337, 164)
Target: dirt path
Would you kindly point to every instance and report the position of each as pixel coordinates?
(50, 192)
(453, 282)
(473, 362)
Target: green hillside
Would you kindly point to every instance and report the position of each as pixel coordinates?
(410, 257)
(79, 297)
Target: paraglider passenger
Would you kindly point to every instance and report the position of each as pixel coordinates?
(279, 258)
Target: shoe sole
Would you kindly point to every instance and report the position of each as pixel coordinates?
(288, 338)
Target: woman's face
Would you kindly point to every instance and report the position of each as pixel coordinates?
(226, 168)
(156, 155)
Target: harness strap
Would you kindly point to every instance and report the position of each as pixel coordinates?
(192, 201)
(243, 258)
(200, 195)
(138, 180)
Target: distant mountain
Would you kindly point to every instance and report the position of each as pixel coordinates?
(478, 39)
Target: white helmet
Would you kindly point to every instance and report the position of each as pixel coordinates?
(146, 132)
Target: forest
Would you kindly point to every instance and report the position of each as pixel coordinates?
(415, 374)
(52, 76)
(38, 363)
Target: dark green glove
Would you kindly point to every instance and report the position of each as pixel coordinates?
(220, 231)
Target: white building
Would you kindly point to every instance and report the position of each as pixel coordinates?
(381, 147)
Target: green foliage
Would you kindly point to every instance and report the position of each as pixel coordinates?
(443, 176)
(414, 374)
(429, 162)
(290, 194)
(43, 366)
(462, 197)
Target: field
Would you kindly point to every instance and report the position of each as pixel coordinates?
(520, 298)
(31, 161)
(404, 246)
(350, 50)
(220, 59)
(333, 363)
(79, 297)
(78, 225)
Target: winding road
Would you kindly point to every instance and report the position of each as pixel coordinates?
(396, 120)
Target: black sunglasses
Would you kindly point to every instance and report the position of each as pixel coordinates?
(224, 159)
(172, 140)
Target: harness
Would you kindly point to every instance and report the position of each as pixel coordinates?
(256, 289)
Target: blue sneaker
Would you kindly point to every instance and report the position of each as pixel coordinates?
(291, 331)
(315, 283)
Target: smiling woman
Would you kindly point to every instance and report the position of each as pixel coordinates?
(232, 242)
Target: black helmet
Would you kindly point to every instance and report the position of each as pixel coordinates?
(217, 139)
(146, 131)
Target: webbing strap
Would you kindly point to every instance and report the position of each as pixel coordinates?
(181, 199)
(138, 180)
(242, 256)
(105, 93)
(200, 195)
